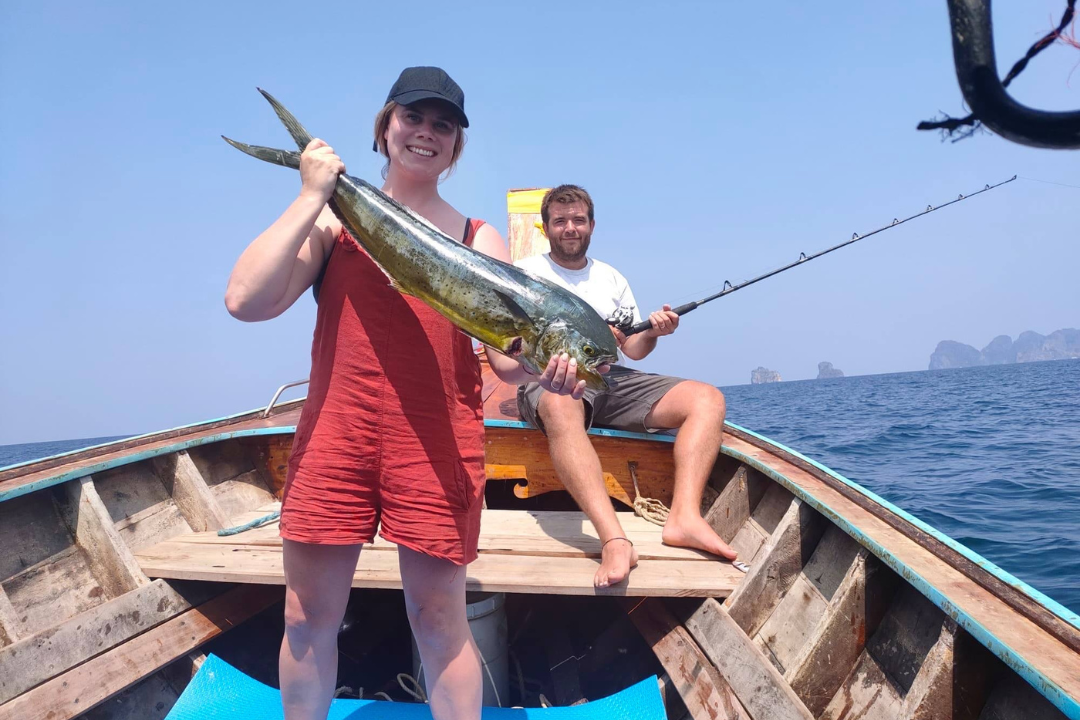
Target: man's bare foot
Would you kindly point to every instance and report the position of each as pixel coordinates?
(694, 532)
(616, 559)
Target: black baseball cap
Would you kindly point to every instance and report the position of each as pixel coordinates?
(423, 83)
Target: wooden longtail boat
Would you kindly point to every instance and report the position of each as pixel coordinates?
(114, 583)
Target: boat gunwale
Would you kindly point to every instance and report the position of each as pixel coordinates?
(115, 455)
(8, 472)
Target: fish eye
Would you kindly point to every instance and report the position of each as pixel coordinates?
(589, 350)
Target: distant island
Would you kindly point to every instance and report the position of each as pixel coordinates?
(764, 375)
(1029, 347)
(825, 370)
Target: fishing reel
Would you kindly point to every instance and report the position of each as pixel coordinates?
(622, 319)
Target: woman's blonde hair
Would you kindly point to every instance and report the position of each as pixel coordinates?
(382, 124)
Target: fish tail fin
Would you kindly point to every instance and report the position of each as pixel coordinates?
(285, 158)
(299, 134)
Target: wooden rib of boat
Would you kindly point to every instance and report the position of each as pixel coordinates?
(113, 582)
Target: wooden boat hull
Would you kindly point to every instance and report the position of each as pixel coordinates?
(851, 608)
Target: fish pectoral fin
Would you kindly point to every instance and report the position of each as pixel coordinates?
(394, 284)
(514, 309)
(389, 278)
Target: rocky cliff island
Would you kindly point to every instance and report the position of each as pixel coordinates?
(764, 375)
(1029, 347)
(825, 370)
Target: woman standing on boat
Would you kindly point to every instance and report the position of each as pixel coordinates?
(392, 431)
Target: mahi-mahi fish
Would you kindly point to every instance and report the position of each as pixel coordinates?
(502, 306)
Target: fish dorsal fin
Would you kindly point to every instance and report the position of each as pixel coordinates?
(406, 210)
(423, 220)
(511, 305)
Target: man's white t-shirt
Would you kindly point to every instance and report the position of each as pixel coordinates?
(600, 285)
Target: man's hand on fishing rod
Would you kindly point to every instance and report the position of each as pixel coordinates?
(664, 322)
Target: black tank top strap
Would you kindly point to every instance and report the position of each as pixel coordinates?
(326, 263)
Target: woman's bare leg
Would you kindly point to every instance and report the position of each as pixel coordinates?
(435, 601)
(317, 582)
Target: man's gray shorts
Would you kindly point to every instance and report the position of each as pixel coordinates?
(629, 397)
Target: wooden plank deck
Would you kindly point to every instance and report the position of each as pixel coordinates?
(522, 552)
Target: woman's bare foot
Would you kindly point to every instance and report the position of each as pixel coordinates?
(616, 559)
(694, 532)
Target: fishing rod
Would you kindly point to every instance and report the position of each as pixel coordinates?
(625, 324)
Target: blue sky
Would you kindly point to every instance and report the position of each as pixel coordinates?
(718, 139)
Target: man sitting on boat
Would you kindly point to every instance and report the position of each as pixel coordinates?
(634, 401)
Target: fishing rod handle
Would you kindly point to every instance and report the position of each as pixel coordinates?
(645, 324)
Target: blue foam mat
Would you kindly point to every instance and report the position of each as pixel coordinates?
(221, 692)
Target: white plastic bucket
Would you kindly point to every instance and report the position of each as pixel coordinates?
(486, 613)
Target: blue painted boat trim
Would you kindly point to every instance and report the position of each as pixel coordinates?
(138, 456)
(601, 432)
(132, 437)
(1068, 705)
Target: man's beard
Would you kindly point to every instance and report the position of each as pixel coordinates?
(558, 254)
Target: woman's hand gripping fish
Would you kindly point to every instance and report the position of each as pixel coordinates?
(502, 306)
